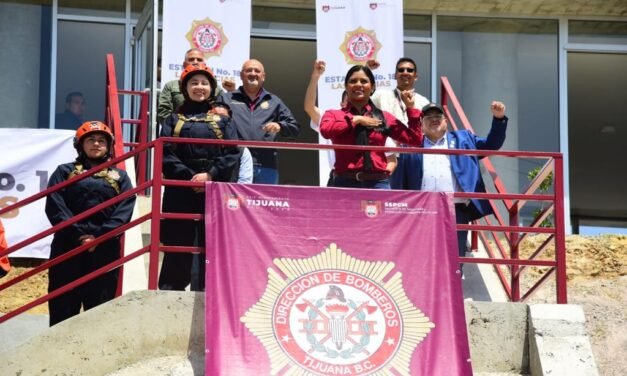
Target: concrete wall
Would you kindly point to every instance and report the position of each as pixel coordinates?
(138, 326)
(497, 334)
(151, 332)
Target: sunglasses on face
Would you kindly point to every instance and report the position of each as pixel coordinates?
(408, 70)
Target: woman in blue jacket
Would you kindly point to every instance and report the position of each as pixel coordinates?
(198, 117)
(93, 142)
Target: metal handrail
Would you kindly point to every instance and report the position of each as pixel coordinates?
(554, 164)
(156, 214)
(113, 118)
(141, 148)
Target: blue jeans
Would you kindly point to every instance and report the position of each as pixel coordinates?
(265, 175)
(340, 181)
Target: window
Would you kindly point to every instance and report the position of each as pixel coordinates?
(600, 32)
(25, 63)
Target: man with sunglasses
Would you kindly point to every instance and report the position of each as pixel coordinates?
(406, 75)
(451, 173)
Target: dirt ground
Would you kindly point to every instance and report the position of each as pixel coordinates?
(597, 280)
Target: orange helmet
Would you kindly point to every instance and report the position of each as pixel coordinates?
(191, 70)
(89, 127)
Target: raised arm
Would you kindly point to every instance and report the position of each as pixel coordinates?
(496, 136)
(311, 94)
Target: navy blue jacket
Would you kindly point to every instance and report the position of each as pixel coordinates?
(408, 174)
(249, 121)
(77, 198)
(182, 161)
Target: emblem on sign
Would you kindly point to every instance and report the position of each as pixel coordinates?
(233, 202)
(360, 45)
(333, 314)
(371, 208)
(208, 36)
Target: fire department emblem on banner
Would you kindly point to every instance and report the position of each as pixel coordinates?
(360, 45)
(233, 202)
(208, 36)
(371, 208)
(333, 314)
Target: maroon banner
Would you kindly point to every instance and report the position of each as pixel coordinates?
(332, 281)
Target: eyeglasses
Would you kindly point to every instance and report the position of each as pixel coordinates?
(434, 118)
(409, 70)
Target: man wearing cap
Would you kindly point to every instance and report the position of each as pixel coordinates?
(451, 173)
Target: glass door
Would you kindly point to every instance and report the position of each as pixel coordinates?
(144, 63)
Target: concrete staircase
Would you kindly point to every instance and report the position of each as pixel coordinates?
(162, 333)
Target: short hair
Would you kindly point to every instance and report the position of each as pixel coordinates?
(192, 50)
(407, 60)
(68, 98)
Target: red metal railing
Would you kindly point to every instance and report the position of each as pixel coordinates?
(141, 149)
(114, 119)
(156, 215)
(513, 236)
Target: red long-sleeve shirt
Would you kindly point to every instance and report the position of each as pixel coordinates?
(337, 126)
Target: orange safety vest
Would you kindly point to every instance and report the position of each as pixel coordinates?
(4, 261)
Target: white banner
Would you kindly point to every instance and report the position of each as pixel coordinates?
(220, 29)
(29, 157)
(351, 32)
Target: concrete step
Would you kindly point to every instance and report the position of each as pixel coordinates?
(167, 365)
(162, 333)
(20, 329)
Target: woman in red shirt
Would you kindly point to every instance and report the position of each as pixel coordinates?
(360, 122)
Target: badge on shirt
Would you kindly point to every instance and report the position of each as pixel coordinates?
(112, 174)
(264, 105)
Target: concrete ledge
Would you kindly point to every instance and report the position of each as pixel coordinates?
(558, 341)
(162, 332)
(497, 333)
(137, 326)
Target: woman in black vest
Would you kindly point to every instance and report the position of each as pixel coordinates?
(198, 117)
(93, 142)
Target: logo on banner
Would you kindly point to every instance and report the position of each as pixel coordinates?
(325, 8)
(360, 45)
(333, 314)
(373, 6)
(208, 36)
(233, 202)
(371, 208)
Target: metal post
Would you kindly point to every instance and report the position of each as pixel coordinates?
(155, 221)
(142, 138)
(560, 237)
(514, 254)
